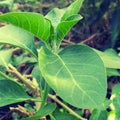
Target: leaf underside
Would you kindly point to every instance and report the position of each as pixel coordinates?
(77, 74)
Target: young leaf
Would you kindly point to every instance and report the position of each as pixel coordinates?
(5, 56)
(64, 27)
(18, 37)
(46, 110)
(77, 74)
(11, 92)
(32, 22)
(63, 20)
(72, 9)
(55, 16)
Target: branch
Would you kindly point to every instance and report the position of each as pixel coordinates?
(53, 97)
(25, 81)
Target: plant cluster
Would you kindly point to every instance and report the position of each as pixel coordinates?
(72, 76)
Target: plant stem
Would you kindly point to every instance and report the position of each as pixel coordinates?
(46, 91)
(28, 83)
(53, 97)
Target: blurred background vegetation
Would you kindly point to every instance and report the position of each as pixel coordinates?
(99, 28)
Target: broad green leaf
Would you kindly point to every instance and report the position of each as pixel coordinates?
(18, 37)
(46, 110)
(32, 22)
(110, 58)
(11, 92)
(77, 74)
(5, 57)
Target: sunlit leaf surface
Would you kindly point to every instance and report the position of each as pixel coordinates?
(77, 74)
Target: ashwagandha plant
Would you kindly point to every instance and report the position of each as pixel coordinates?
(76, 73)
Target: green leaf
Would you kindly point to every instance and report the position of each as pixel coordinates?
(64, 27)
(55, 16)
(37, 75)
(18, 37)
(77, 74)
(5, 57)
(110, 58)
(116, 89)
(32, 22)
(63, 20)
(98, 115)
(112, 72)
(11, 92)
(72, 9)
(44, 111)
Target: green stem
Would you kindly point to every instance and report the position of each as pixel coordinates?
(53, 97)
(54, 43)
(54, 46)
(44, 97)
